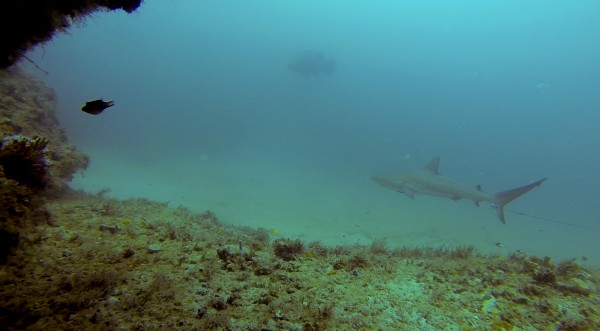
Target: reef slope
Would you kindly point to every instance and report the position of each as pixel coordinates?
(142, 265)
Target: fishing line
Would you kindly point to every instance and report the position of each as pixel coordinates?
(551, 220)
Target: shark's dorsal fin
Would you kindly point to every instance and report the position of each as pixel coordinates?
(433, 165)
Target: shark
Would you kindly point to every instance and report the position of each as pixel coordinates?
(428, 181)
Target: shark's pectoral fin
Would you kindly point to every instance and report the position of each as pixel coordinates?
(478, 187)
(409, 193)
(500, 211)
(476, 203)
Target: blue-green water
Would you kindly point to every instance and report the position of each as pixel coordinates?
(209, 115)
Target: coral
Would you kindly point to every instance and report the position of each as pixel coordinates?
(24, 160)
(35, 121)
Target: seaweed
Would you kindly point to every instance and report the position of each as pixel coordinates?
(80, 291)
(379, 247)
(502, 326)
(24, 160)
(161, 289)
(287, 249)
(357, 261)
(454, 253)
(567, 268)
(23, 172)
(572, 324)
(317, 249)
(544, 276)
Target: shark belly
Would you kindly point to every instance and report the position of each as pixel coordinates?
(444, 187)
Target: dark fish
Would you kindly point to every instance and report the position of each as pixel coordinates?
(97, 106)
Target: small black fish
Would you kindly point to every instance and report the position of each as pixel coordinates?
(97, 106)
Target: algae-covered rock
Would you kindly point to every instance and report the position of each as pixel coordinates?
(23, 160)
(35, 158)
(23, 174)
(28, 110)
(26, 23)
(14, 203)
(577, 286)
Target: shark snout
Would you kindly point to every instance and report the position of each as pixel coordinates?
(383, 182)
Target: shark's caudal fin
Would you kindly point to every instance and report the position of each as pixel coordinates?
(503, 198)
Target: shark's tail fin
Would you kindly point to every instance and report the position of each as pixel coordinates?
(503, 198)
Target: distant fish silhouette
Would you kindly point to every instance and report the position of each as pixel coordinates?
(97, 106)
(312, 63)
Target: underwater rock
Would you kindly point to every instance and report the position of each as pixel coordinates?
(153, 248)
(111, 301)
(490, 306)
(36, 117)
(26, 23)
(36, 160)
(112, 229)
(14, 203)
(23, 172)
(312, 63)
